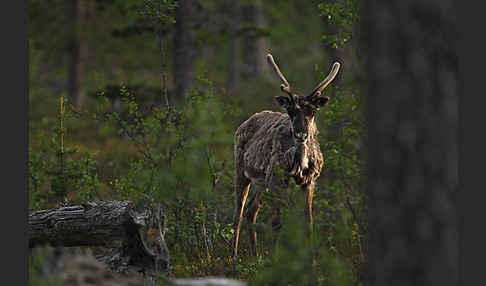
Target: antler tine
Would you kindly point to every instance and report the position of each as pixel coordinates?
(285, 86)
(335, 68)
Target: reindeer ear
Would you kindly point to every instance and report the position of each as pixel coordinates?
(283, 101)
(320, 101)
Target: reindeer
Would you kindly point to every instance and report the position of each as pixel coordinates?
(269, 139)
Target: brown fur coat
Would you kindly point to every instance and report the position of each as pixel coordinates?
(265, 141)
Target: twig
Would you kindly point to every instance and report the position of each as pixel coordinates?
(164, 60)
(353, 213)
(61, 148)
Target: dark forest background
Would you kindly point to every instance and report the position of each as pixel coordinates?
(139, 100)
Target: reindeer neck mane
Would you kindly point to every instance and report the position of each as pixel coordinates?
(303, 159)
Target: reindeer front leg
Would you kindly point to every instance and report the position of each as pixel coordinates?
(309, 189)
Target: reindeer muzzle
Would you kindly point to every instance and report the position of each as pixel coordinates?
(300, 136)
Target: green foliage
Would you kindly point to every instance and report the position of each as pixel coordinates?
(300, 257)
(340, 202)
(169, 144)
(37, 260)
(345, 15)
(252, 31)
(58, 171)
(159, 12)
(182, 156)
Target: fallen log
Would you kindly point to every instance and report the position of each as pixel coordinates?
(135, 236)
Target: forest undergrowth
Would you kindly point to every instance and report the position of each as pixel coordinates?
(182, 158)
(125, 145)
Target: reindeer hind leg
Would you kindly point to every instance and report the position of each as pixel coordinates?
(254, 207)
(242, 186)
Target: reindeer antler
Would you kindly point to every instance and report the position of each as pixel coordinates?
(317, 91)
(285, 86)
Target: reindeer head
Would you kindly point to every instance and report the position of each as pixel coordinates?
(301, 109)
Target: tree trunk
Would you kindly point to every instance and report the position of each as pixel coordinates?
(184, 49)
(136, 236)
(76, 50)
(412, 129)
(232, 80)
(253, 46)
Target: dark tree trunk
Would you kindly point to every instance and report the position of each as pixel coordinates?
(253, 45)
(76, 89)
(232, 80)
(412, 164)
(184, 49)
(136, 237)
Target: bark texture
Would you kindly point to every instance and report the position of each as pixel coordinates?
(135, 236)
(232, 80)
(253, 43)
(184, 49)
(77, 51)
(412, 127)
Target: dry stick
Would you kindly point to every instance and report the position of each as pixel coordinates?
(206, 241)
(162, 230)
(164, 61)
(61, 140)
(360, 248)
(138, 145)
(215, 179)
(93, 188)
(355, 218)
